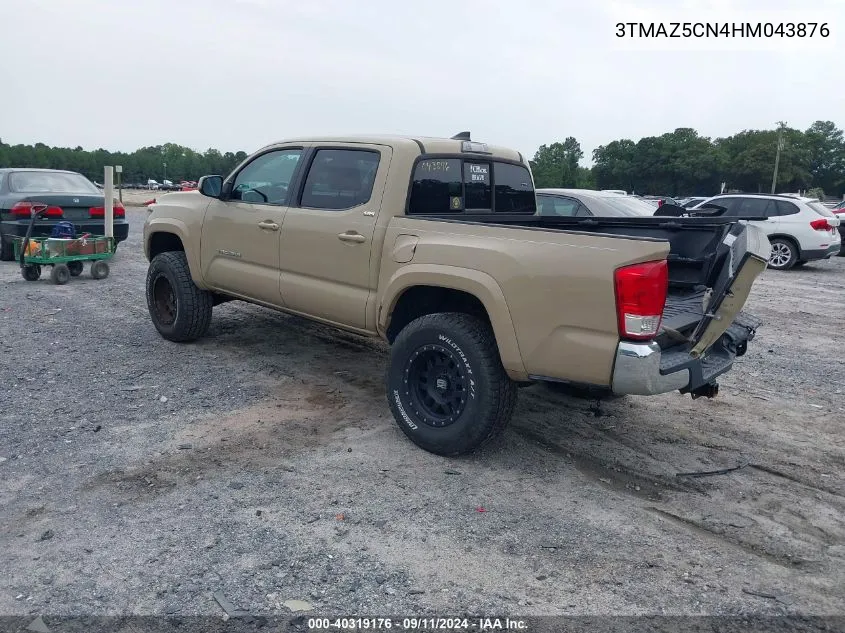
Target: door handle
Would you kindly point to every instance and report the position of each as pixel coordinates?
(267, 225)
(351, 237)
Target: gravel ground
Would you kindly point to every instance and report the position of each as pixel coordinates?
(140, 476)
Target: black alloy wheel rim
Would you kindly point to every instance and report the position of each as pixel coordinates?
(164, 300)
(436, 381)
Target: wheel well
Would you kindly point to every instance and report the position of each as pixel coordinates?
(421, 300)
(164, 242)
(787, 238)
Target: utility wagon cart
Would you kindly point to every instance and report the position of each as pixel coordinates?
(65, 254)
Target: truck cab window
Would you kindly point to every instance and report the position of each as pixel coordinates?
(340, 179)
(514, 189)
(437, 187)
(266, 179)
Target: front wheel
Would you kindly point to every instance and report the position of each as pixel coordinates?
(31, 272)
(784, 254)
(179, 310)
(75, 268)
(446, 386)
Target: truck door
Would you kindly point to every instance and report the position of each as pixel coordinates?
(241, 235)
(328, 236)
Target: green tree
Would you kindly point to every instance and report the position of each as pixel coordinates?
(556, 165)
(827, 156)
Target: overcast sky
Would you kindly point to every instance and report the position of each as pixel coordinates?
(237, 74)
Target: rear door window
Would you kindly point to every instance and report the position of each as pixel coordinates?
(786, 208)
(757, 207)
(340, 179)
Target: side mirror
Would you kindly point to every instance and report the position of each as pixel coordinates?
(210, 186)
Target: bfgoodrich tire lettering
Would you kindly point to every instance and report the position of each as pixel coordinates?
(446, 385)
(179, 310)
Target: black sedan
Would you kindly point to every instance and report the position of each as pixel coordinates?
(587, 202)
(69, 196)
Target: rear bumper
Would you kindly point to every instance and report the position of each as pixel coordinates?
(822, 253)
(42, 229)
(643, 369)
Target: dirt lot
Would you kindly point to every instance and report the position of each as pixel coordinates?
(140, 476)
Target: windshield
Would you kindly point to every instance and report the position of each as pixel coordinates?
(628, 205)
(50, 182)
(819, 208)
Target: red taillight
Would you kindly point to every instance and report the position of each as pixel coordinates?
(821, 225)
(659, 203)
(23, 209)
(640, 298)
(100, 212)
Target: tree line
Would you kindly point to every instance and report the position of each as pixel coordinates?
(676, 163)
(684, 163)
(170, 161)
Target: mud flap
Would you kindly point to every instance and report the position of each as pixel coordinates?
(746, 255)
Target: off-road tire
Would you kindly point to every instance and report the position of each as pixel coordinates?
(99, 269)
(60, 274)
(75, 268)
(193, 306)
(490, 395)
(782, 245)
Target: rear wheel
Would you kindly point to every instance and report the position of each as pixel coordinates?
(179, 310)
(60, 274)
(75, 268)
(31, 272)
(784, 254)
(99, 269)
(446, 385)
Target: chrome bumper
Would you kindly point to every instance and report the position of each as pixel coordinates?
(637, 371)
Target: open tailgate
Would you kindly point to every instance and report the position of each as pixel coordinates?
(746, 254)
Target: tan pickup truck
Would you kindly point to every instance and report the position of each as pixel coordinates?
(434, 245)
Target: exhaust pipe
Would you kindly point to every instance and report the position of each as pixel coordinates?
(710, 390)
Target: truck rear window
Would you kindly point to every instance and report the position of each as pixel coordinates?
(456, 185)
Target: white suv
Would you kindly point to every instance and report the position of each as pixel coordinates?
(800, 229)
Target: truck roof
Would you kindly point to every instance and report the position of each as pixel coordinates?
(416, 144)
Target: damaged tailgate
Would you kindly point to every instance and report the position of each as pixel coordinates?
(724, 330)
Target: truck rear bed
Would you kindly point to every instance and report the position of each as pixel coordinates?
(703, 329)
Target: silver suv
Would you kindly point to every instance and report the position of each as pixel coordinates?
(799, 229)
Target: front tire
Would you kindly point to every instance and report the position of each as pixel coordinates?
(446, 386)
(180, 311)
(784, 254)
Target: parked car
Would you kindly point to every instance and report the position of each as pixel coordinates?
(799, 229)
(69, 196)
(435, 246)
(658, 201)
(587, 202)
(689, 203)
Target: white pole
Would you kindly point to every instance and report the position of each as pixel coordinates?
(108, 192)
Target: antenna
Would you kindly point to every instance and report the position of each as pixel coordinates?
(462, 136)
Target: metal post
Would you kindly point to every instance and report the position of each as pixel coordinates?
(118, 169)
(108, 192)
(781, 125)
